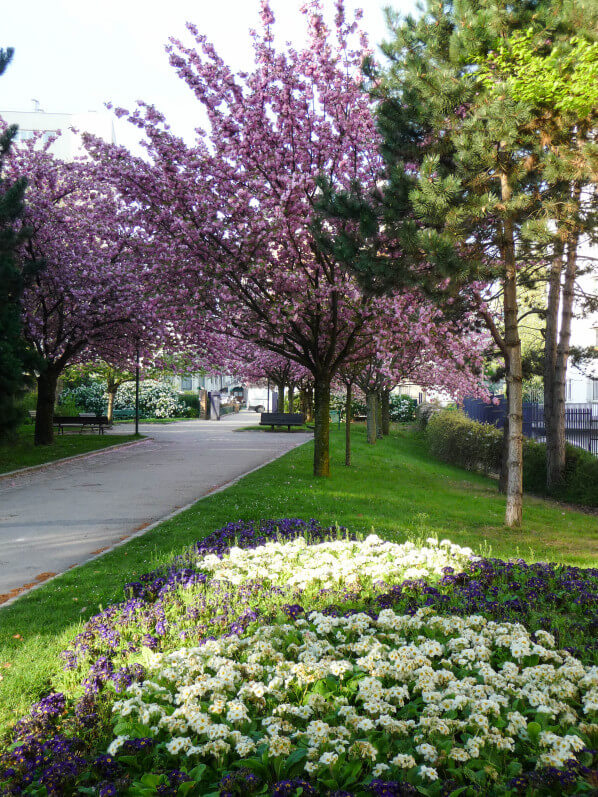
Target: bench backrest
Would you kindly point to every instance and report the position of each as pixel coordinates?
(282, 418)
(82, 419)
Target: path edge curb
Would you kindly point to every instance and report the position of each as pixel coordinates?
(42, 465)
(154, 524)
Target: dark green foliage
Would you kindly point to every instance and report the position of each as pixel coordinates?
(89, 397)
(580, 483)
(423, 414)
(191, 401)
(13, 351)
(402, 409)
(455, 438)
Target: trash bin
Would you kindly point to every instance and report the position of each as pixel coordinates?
(214, 406)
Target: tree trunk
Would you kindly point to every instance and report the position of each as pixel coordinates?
(111, 396)
(280, 391)
(556, 459)
(44, 414)
(348, 425)
(371, 401)
(504, 457)
(550, 355)
(291, 396)
(514, 509)
(322, 427)
(385, 401)
(378, 416)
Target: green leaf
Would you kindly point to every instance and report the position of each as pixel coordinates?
(514, 769)
(197, 772)
(254, 764)
(295, 756)
(151, 779)
(534, 729)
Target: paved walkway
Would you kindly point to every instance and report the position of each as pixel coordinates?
(53, 518)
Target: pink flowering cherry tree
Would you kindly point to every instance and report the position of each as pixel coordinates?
(233, 212)
(91, 295)
(257, 365)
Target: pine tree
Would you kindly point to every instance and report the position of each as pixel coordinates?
(469, 198)
(13, 351)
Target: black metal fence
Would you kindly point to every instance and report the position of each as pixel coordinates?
(581, 420)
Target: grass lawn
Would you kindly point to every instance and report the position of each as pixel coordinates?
(24, 453)
(393, 488)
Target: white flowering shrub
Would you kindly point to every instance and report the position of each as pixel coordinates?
(350, 562)
(88, 398)
(416, 698)
(156, 399)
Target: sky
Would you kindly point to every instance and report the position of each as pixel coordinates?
(74, 56)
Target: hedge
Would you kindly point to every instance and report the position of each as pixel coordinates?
(455, 438)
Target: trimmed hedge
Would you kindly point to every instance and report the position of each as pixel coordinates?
(456, 439)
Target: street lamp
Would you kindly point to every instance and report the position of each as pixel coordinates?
(137, 388)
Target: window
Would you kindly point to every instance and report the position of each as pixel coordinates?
(186, 383)
(594, 389)
(569, 389)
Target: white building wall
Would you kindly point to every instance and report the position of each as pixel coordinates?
(69, 144)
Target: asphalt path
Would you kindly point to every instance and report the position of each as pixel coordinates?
(65, 513)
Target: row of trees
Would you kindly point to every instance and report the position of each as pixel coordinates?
(321, 229)
(236, 215)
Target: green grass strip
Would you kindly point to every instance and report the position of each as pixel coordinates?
(23, 453)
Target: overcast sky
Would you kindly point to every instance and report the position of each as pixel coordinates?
(75, 55)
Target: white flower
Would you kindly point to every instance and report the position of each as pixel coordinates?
(428, 773)
(403, 761)
(116, 744)
(428, 752)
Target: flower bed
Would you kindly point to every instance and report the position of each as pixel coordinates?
(298, 564)
(347, 699)
(62, 746)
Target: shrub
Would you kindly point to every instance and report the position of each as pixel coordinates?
(68, 408)
(402, 409)
(580, 484)
(423, 413)
(28, 403)
(454, 438)
(89, 397)
(191, 402)
(156, 399)
(337, 404)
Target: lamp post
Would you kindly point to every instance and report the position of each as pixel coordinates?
(137, 388)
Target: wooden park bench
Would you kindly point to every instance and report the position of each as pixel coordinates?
(287, 419)
(83, 421)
